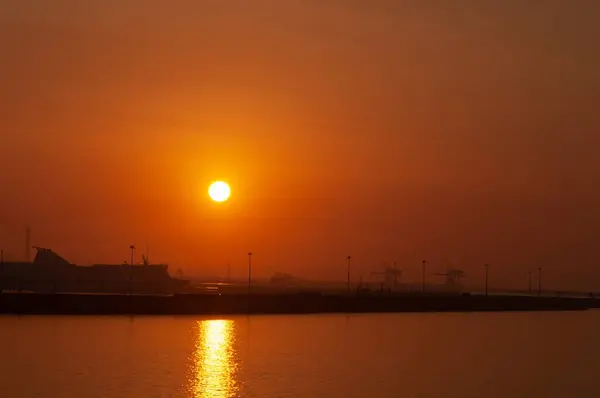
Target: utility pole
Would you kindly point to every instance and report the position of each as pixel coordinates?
(423, 266)
(486, 279)
(249, 272)
(348, 282)
(539, 281)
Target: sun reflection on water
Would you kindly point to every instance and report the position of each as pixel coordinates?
(215, 367)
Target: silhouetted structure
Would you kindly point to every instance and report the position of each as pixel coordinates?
(27, 243)
(256, 303)
(249, 272)
(49, 272)
(390, 277)
(423, 266)
(452, 278)
(486, 278)
(348, 280)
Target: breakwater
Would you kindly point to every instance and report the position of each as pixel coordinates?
(199, 304)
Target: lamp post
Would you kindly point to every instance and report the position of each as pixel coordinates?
(539, 281)
(249, 272)
(132, 247)
(1, 270)
(529, 281)
(423, 266)
(348, 280)
(486, 279)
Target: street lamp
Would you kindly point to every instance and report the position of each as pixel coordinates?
(423, 266)
(132, 247)
(539, 281)
(348, 283)
(249, 272)
(486, 278)
(1, 270)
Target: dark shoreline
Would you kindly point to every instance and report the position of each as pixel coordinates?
(242, 304)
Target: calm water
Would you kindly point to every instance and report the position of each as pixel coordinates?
(402, 355)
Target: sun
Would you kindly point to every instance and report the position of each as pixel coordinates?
(219, 191)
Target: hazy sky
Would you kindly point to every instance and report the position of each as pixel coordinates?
(461, 132)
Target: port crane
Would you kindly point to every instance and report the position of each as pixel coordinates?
(452, 276)
(390, 274)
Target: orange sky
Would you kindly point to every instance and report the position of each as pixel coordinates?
(392, 131)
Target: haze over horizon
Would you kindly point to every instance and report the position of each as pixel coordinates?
(387, 130)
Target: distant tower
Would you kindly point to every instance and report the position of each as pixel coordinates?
(27, 243)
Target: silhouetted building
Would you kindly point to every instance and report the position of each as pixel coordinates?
(49, 272)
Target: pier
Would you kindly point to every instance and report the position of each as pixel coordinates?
(298, 303)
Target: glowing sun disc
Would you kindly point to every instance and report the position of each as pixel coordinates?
(219, 191)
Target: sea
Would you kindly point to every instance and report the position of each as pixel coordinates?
(529, 354)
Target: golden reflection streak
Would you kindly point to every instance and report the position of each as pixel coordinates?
(214, 362)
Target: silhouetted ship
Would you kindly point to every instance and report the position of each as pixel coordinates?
(49, 272)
